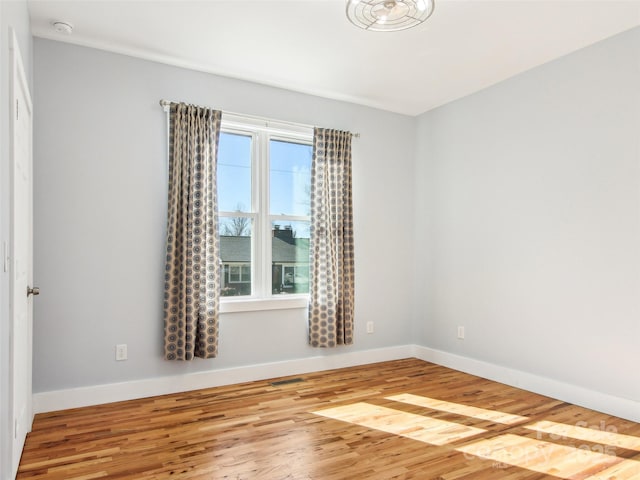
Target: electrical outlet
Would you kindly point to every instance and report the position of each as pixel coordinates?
(369, 327)
(121, 352)
(461, 333)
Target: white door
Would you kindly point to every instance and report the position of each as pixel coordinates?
(21, 255)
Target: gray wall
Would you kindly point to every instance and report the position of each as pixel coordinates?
(100, 204)
(14, 15)
(528, 221)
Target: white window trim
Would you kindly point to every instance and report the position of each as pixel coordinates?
(262, 298)
(233, 305)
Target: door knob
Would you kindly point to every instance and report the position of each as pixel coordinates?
(33, 291)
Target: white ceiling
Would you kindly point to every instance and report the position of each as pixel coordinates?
(310, 46)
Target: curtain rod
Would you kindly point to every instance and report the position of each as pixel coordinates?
(165, 104)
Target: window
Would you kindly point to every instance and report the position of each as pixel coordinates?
(264, 181)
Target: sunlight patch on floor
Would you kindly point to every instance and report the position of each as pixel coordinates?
(625, 470)
(601, 434)
(595, 460)
(552, 459)
(409, 425)
(458, 409)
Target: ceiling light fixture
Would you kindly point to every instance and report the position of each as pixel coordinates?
(388, 15)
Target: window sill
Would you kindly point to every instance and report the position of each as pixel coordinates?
(260, 304)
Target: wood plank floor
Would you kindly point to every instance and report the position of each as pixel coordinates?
(405, 419)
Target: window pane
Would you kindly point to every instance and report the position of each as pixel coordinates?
(290, 178)
(235, 254)
(290, 257)
(234, 173)
(246, 272)
(234, 273)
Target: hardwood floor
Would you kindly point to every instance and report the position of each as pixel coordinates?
(405, 419)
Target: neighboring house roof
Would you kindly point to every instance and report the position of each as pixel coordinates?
(238, 249)
(285, 252)
(235, 249)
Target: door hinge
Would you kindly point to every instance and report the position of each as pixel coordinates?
(17, 110)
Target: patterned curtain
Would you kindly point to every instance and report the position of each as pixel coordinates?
(192, 268)
(331, 282)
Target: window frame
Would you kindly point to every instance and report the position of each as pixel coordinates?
(242, 277)
(262, 131)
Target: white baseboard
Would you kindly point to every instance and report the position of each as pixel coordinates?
(116, 392)
(601, 402)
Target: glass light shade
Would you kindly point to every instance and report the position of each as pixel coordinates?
(388, 15)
